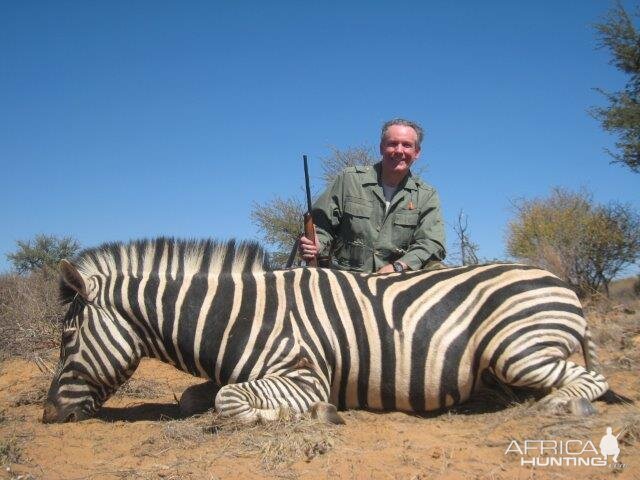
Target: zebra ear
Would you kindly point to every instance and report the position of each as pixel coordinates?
(73, 278)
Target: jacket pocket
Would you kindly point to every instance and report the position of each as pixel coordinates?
(357, 219)
(356, 206)
(404, 226)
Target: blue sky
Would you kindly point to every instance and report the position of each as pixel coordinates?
(123, 120)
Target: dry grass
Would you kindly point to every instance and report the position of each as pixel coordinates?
(140, 388)
(190, 431)
(34, 389)
(34, 396)
(626, 422)
(615, 329)
(276, 445)
(10, 451)
(630, 430)
(30, 313)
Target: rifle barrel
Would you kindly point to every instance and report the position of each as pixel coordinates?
(306, 183)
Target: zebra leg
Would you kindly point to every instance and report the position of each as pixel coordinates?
(327, 412)
(575, 386)
(198, 398)
(274, 397)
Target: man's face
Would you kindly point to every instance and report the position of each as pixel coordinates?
(399, 150)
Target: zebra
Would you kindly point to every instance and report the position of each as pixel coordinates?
(313, 339)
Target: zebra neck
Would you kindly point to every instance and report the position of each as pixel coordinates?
(207, 325)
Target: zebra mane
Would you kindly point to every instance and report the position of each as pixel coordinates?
(183, 257)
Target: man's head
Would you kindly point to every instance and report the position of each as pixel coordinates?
(400, 147)
(403, 123)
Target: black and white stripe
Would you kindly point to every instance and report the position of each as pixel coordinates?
(279, 340)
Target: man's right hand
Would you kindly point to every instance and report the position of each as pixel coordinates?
(307, 249)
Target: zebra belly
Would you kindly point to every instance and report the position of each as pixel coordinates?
(415, 383)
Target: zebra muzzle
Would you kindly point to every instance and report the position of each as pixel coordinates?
(54, 414)
(50, 414)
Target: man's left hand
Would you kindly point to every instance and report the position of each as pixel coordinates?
(388, 268)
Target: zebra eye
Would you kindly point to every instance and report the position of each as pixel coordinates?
(67, 335)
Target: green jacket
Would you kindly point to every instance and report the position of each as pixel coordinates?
(352, 226)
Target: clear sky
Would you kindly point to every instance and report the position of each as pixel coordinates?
(122, 120)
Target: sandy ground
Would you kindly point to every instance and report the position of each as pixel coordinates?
(139, 435)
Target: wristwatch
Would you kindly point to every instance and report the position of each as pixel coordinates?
(398, 267)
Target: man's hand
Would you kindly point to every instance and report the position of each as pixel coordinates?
(388, 268)
(307, 249)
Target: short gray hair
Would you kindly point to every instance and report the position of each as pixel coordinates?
(404, 123)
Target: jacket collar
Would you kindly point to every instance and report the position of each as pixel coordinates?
(373, 176)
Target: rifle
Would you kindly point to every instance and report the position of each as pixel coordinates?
(309, 229)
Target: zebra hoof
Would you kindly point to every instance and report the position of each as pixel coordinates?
(197, 399)
(326, 412)
(581, 407)
(553, 405)
(575, 406)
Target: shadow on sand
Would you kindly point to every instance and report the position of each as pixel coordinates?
(489, 399)
(141, 412)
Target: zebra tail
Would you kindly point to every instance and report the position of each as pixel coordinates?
(592, 364)
(591, 361)
(612, 398)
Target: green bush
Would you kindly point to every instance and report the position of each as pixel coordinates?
(584, 243)
(42, 251)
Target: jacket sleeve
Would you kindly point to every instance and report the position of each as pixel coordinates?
(327, 215)
(428, 242)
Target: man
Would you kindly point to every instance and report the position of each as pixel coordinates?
(380, 218)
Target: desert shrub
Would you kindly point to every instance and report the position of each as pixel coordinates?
(42, 251)
(30, 313)
(584, 243)
(623, 290)
(280, 222)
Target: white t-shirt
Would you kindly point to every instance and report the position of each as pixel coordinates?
(389, 192)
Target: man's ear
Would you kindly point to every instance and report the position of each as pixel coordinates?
(72, 277)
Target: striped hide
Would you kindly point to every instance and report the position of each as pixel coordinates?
(307, 338)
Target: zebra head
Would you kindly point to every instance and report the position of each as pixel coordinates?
(97, 351)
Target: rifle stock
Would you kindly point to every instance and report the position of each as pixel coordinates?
(310, 233)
